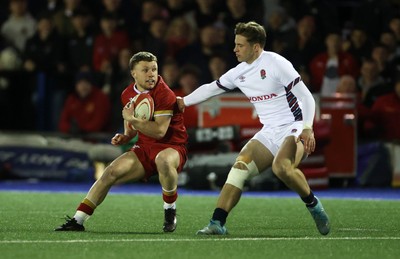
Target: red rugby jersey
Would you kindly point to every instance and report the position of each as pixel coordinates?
(164, 104)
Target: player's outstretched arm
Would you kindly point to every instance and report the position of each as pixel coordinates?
(202, 93)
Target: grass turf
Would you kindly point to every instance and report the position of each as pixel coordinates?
(130, 226)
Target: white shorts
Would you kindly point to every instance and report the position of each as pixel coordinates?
(272, 138)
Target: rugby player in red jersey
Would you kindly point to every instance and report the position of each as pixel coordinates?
(160, 149)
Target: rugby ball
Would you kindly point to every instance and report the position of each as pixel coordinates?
(143, 106)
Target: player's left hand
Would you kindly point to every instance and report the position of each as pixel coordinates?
(307, 136)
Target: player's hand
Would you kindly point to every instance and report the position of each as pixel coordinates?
(120, 139)
(181, 104)
(307, 136)
(128, 112)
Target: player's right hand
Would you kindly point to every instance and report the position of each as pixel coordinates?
(181, 104)
(120, 139)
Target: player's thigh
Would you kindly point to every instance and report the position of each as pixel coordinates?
(126, 167)
(255, 151)
(291, 150)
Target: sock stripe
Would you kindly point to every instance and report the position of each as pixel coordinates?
(167, 192)
(85, 208)
(89, 203)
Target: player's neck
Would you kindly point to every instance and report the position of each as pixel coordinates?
(254, 57)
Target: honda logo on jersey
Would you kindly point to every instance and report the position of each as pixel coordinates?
(262, 97)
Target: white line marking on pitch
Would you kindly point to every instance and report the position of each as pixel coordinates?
(194, 239)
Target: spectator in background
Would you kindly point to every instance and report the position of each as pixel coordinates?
(370, 83)
(199, 52)
(306, 45)
(189, 78)
(281, 31)
(324, 13)
(170, 73)
(388, 39)
(63, 17)
(380, 54)
(80, 44)
(217, 66)
(386, 114)
(10, 59)
(327, 67)
(19, 26)
(178, 35)
(44, 56)
(116, 8)
(236, 11)
(358, 44)
(348, 86)
(120, 78)
(108, 43)
(87, 110)
(150, 9)
(394, 27)
(44, 51)
(154, 40)
(206, 12)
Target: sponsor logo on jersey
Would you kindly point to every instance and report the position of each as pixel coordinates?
(294, 130)
(262, 97)
(242, 78)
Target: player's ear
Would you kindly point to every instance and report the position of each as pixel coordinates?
(133, 74)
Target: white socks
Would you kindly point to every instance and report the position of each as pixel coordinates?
(80, 217)
(169, 206)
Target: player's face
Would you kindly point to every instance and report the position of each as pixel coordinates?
(145, 74)
(244, 51)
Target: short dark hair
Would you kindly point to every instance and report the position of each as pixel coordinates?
(141, 56)
(254, 32)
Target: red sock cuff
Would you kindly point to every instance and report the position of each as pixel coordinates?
(171, 198)
(85, 208)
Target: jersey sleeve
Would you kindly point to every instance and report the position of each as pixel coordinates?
(226, 81)
(164, 103)
(206, 91)
(308, 103)
(283, 71)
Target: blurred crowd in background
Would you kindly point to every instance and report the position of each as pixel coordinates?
(64, 63)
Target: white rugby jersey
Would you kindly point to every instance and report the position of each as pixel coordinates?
(270, 84)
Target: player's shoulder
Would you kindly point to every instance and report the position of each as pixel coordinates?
(162, 92)
(273, 58)
(162, 86)
(128, 89)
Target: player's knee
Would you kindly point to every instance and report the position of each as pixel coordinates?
(282, 169)
(110, 174)
(162, 162)
(241, 172)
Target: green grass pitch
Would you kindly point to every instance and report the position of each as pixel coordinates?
(130, 226)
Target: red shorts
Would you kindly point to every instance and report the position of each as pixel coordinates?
(147, 154)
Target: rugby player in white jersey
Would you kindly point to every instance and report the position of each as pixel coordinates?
(286, 109)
